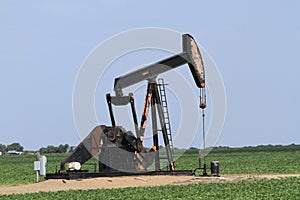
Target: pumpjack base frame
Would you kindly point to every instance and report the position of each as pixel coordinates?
(84, 174)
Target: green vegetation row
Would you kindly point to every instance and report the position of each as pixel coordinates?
(14, 146)
(62, 148)
(259, 148)
(19, 169)
(285, 188)
(53, 149)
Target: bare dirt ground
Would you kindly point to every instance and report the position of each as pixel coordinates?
(122, 182)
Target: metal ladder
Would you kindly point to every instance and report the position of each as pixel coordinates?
(164, 104)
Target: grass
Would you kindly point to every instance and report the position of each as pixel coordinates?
(284, 159)
(18, 169)
(265, 160)
(248, 160)
(287, 188)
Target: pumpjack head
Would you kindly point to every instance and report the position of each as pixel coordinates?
(194, 58)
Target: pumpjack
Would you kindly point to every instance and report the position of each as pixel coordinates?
(121, 152)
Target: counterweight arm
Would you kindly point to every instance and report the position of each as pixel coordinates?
(190, 55)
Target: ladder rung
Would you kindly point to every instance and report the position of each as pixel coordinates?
(164, 104)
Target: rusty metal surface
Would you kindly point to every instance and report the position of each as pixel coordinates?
(145, 111)
(194, 58)
(88, 148)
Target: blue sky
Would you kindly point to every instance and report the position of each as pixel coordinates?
(255, 45)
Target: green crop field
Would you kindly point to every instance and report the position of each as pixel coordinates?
(259, 160)
(287, 188)
(251, 160)
(18, 169)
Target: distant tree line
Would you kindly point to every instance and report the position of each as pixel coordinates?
(259, 148)
(11, 147)
(62, 148)
(53, 149)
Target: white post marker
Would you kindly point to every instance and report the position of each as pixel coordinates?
(37, 167)
(43, 161)
(40, 166)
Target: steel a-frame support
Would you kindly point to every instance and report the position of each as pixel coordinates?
(153, 99)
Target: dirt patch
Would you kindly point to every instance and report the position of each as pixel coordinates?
(122, 182)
